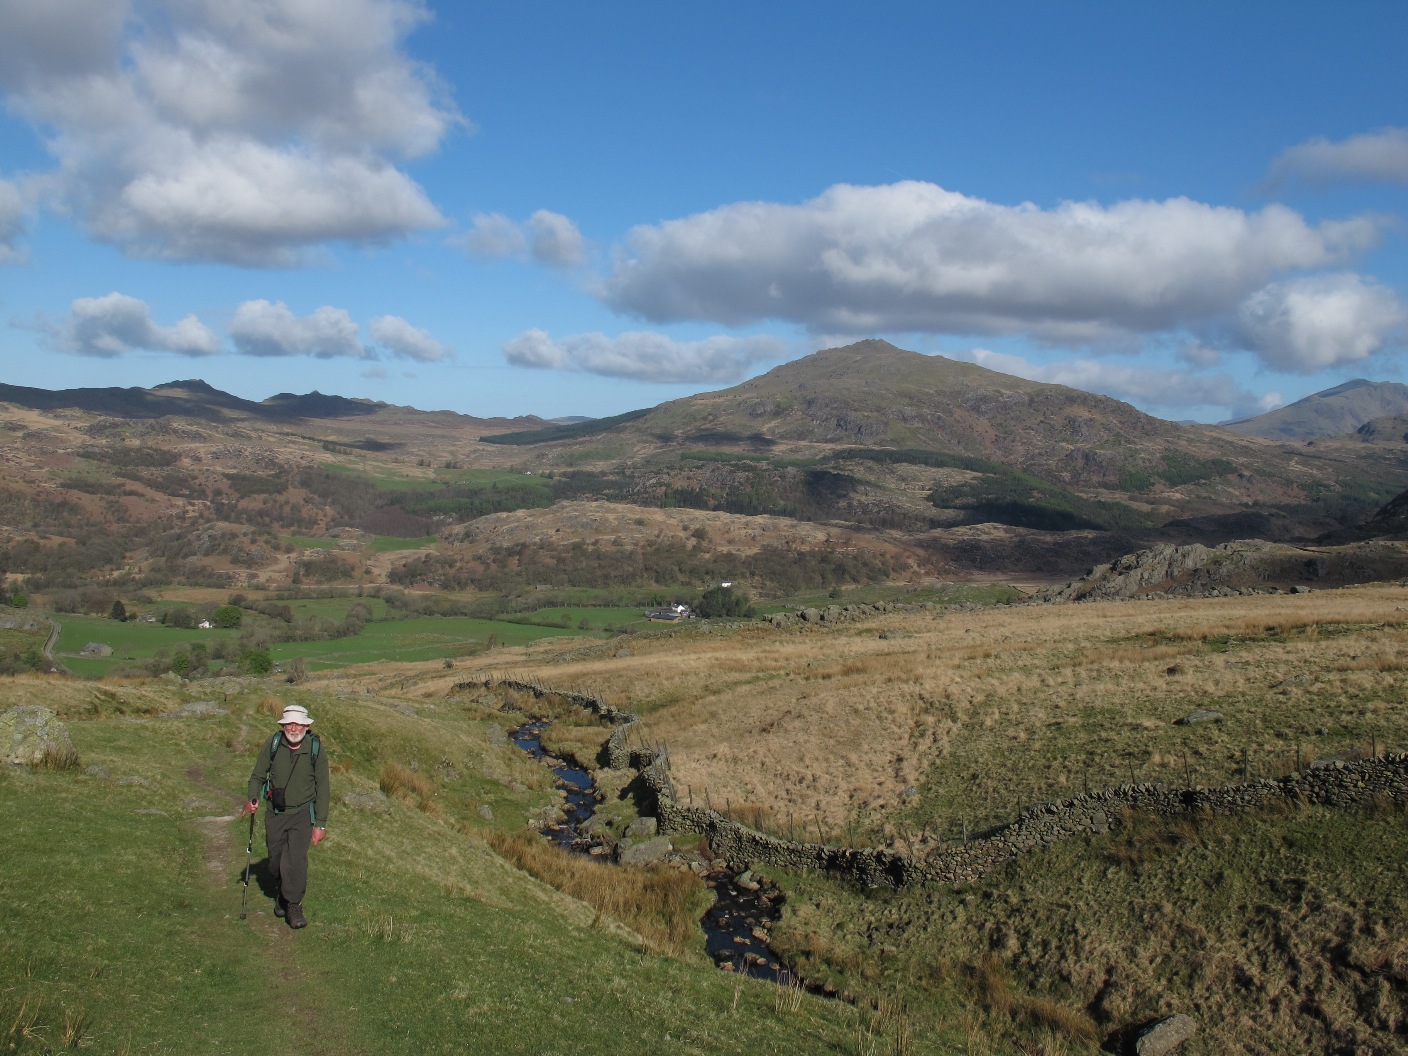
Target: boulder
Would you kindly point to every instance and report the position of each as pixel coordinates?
(495, 734)
(374, 801)
(651, 850)
(1194, 717)
(486, 812)
(642, 828)
(30, 735)
(1165, 1036)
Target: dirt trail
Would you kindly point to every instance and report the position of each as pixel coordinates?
(316, 1025)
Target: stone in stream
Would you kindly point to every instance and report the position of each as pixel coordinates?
(651, 850)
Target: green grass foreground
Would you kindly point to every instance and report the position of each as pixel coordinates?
(120, 929)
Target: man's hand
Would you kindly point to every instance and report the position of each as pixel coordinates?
(249, 808)
(319, 835)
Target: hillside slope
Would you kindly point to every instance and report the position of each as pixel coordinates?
(1332, 412)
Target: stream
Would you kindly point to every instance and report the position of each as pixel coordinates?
(736, 925)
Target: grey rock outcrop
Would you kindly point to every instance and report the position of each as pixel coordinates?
(641, 828)
(1248, 566)
(30, 735)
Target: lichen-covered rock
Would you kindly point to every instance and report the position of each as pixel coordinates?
(374, 802)
(30, 735)
(1165, 1036)
(1195, 717)
(642, 828)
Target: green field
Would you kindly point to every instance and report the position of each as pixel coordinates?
(579, 617)
(425, 638)
(133, 642)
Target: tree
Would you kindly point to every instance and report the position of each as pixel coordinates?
(723, 601)
(228, 616)
(298, 670)
(257, 662)
(119, 611)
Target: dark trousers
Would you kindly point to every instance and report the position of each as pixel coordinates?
(289, 834)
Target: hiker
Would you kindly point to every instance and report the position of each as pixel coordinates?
(292, 774)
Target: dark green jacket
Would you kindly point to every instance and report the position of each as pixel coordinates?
(303, 780)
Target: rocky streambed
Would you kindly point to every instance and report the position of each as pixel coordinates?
(745, 908)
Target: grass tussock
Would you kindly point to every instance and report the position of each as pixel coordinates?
(59, 757)
(271, 706)
(661, 904)
(411, 787)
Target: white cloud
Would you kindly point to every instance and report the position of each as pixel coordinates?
(1308, 324)
(1370, 157)
(912, 256)
(241, 131)
(403, 339)
(555, 239)
(12, 210)
(116, 324)
(645, 356)
(1167, 390)
(493, 235)
(547, 237)
(262, 328)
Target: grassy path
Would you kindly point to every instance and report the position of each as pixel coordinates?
(120, 929)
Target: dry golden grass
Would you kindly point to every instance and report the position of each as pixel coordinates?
(663, 905)
(410, 787)
(985, 711)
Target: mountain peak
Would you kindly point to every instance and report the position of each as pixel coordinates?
(1330, 412)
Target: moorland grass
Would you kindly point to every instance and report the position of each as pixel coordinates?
(1279, 933)
(119, 929)
(980, 712)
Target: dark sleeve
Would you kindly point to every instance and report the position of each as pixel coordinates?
(323, 793)
(261, 768)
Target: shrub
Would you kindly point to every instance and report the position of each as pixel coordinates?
(257, 662)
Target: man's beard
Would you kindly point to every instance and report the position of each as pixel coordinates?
(295, 741)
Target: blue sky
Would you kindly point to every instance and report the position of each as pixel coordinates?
(562, 208)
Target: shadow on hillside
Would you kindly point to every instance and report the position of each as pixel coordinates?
(261, 879)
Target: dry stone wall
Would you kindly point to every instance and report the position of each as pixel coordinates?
(1337, 784)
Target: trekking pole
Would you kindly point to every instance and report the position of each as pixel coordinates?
(248, 860)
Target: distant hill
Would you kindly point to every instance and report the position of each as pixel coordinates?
(200, 400)
(873, 395)
(1390, 522)
(1333, 412)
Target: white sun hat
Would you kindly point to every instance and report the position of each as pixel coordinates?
(296, 713)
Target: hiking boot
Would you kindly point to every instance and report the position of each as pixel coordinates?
(296, 919)
(280, 907)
